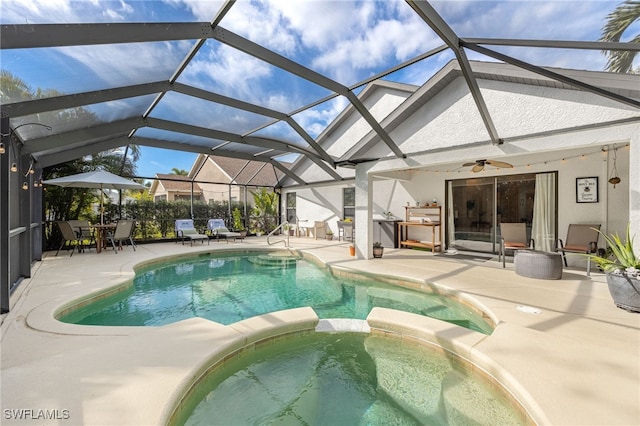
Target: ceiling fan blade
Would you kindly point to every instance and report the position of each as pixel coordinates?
(477, 168)
(500, 164)
(469, 164)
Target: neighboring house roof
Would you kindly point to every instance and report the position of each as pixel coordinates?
(241, 172)
(174, 183)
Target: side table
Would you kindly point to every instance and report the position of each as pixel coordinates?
(538, 264)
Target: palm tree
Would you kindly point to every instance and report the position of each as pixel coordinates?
(265, 208)
(179, 172)
(618, 22)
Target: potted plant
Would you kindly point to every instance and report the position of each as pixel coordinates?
(622, 268)
(288, 229)
(377, 249)
(238, 226)
(329, 234)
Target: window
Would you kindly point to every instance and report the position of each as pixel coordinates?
(291, 207)
(349, 203)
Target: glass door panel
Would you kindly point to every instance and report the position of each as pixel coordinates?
(473, 214)
(514, 199)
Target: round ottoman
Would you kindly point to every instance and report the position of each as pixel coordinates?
(538, 264)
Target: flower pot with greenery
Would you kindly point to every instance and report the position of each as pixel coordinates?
(329, 234)
(622, 266)
(378, 250)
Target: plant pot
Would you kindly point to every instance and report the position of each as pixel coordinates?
(377, 252)
(329, 237)
(352, 251)
(625, 291)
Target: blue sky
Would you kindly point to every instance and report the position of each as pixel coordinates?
(345, 40)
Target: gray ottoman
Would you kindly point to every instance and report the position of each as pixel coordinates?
(538, 264)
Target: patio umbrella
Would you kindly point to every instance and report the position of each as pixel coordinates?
(100, 179)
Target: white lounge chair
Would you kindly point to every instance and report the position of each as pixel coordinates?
(186, 230)
(218, 229)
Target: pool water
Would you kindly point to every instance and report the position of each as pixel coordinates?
(346, 379)
(230, 288)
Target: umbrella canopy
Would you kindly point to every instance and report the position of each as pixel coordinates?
(99, 179)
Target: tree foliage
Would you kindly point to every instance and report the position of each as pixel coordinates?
(618, 22)
(69, 203)
(265, 210)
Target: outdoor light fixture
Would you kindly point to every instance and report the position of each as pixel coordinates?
(14, 165)
(31, 169)
(25, 185)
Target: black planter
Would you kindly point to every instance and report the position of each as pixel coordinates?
(377, 252)
(625, 292)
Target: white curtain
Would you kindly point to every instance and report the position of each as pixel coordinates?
(544, 208)
(451, 229)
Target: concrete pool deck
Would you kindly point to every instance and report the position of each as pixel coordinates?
(577, 362)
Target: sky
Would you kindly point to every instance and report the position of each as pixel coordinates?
(348, 41)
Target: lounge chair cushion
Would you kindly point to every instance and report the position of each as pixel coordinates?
(186, 229)
(218, 229)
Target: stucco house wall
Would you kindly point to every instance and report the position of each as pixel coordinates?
(447, 130)
(210, 172)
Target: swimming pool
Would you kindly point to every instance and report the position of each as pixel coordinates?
(227, 288)
(346, 379)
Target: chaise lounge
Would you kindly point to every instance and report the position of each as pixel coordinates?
(218, 229)
(186, 230)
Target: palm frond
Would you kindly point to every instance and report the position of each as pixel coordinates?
(617, 23)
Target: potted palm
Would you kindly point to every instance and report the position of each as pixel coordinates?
(377, 249)
(622, 268)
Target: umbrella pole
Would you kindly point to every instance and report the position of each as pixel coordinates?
(101, 205)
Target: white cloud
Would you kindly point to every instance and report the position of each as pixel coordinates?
(123, 64)
(315, 120)
(235, 72)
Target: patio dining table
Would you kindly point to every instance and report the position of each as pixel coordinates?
(101, 234)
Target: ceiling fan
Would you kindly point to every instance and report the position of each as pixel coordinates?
(478, 165)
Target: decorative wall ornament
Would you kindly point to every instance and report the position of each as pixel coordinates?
(587, 189)
(614, 179)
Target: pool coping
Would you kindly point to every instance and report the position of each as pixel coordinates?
(532, 354)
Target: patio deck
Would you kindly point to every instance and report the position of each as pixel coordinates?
(576, 363)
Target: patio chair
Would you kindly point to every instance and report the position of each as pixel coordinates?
(185, 229)
(345, 230)
(513, 236)
(218, 229)
(69, 237)
(83, 229)
(581, 238)
(319, 229)
(123, 232)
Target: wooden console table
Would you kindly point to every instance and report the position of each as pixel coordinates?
(425, 216)
(436, 238)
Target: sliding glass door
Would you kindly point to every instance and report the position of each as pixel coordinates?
(473, 213)
(477, 206)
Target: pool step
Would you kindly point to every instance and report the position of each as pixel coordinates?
(278, 259)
